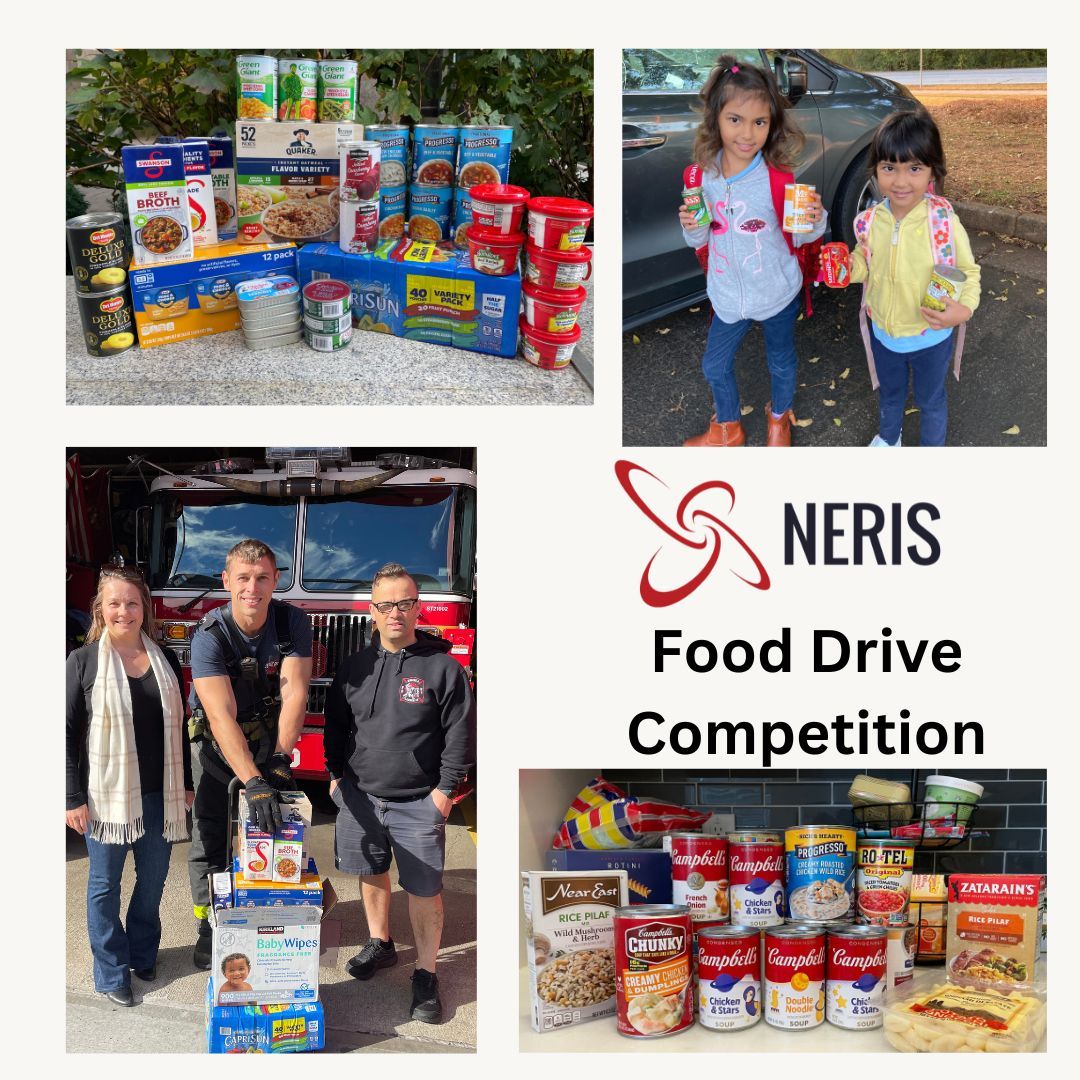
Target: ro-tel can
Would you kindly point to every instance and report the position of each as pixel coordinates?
(298, 88)
(430, 211)
(483, 155)
(337, 90)
(794, 976)
(820, 863)
(107, 321)
(98, 251)
(256, 88)
(945, 282)
(393, 203)
(797, 204)
(834, 265)
(653, 987)
(326, 298)
(394, 139)
(855, 973)
(900, 953)
(883, 881)
(434, 154)
(728, 977)
(359, 171)
(693, 197)
(756, 876)
(699, 874)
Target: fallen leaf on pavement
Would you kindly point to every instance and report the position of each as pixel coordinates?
(1014, 430)
(813, 359)
(845, 373)
(693, 309)
(913, 409)
(1039, 292)
(832, 385)
(1002, 297)
(827, 401)
(746, 410)
(665, 330)
(836, 420)
(802, 423)
(637, 340)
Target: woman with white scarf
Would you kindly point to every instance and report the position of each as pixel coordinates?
(129, 783)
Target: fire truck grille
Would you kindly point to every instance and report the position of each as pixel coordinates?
(334, 637)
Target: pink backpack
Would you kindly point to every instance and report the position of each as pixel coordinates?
(942, 250)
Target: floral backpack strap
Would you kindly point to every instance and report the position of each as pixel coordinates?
(862, 238)
(943, 252)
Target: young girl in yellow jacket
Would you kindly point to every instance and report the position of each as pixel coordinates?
(906, 338)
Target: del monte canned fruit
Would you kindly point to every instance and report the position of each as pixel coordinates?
(883, 881)
(729, 977)
(699, 874)
(107, 321)
(256, 88)
(298, 88)
(98, 252)
(794, 976)
(653, 987)
(756, 874)
(856, 968)
(337, 90)
(820, 868)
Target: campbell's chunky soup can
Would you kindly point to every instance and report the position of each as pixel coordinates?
(98, 251)
(794, 976)
(820, 865)
(728, 977)
(653, 985)
(856, 970)
(756, 877)
(883, 881)
(699, 874)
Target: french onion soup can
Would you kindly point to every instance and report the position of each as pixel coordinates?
(653, 984)
(699, 874)
(794, 976)
(98, 252)
(883, 881)
(856, 973)
(728, 977)
(945, 283)
(756, 876)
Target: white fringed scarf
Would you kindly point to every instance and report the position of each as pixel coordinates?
(114, 788)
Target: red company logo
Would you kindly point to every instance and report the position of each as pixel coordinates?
(695, 528)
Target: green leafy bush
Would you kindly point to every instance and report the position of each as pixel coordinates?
(935, 59)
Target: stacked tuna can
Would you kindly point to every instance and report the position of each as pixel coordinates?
(269, 311)
(327, 317)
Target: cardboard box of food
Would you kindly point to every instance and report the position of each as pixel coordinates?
(267, 1029)
(648, 872)
(194, 298)
(254, 892)
(256, 848)
(423, 292)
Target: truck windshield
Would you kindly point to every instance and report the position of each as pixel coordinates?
(347, 540)
(193, 534)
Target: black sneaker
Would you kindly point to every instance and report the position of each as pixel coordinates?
(374, 955)
(426, 1005)
(204, 946)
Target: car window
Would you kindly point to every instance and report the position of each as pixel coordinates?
(816, 78)
(675, 71)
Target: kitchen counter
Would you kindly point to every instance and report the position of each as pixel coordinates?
(601, 1036)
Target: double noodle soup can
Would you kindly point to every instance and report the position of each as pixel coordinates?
(883, 881)
(856, 970)
(756, 875)
(945, 283)
(728, 977)
(797, 203)
(794, 976)
(693, 196)
(653, 985)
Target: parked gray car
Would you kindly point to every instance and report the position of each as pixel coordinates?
(838, 110)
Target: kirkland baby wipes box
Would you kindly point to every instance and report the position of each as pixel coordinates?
(423, 292)
(266, 956)
(263, 1029)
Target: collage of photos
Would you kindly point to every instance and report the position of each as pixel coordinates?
(272, 734)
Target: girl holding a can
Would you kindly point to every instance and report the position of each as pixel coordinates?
(745, 143)
(907, 244)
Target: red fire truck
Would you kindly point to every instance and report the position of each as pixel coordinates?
(331, 523)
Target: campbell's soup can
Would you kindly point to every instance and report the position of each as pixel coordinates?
(756, 878)
(856, 970)
(728, 977)
(699, 874)
(883, 881)
(820, 865)
(900, 953)
(794, 976)
(653, 985)
(797, 203)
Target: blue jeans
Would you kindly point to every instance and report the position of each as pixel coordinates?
(928, 368)
(117, 947)
(718, 364)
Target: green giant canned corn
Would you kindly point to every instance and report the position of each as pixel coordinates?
(256, 88)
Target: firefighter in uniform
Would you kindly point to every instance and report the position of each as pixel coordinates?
(250, 670)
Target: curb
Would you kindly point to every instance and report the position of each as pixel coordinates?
(995, 219)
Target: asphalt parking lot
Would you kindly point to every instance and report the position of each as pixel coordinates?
(1002, 385)
(360, 1016)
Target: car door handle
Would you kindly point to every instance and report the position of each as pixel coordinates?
(639, 144)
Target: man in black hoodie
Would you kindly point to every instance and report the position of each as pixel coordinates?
(399, 738)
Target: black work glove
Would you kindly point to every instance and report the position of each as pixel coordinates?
(278, 772)
(262, 801)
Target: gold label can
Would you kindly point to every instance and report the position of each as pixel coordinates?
(797, 202)
(945, 281)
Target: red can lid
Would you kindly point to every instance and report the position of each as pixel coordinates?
(556, 297)
(326, 289)
(499, 193)
(579, 255)
(559, 207)
(691, 176)
(485, 234)
(572, 337)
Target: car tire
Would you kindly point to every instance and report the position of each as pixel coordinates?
(856, 193)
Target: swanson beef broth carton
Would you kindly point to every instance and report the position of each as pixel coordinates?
(570, 937)
(157, 196)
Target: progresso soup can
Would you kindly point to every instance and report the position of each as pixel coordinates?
(430, 212)
(98, 250)
(653, 985)
(434, 154)
(107, 321)
(394, 139)
(820, 871)
(483, 155)
(728, 977)
(393, 203)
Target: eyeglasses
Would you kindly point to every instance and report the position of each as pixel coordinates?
(404, 606)
(119, 570)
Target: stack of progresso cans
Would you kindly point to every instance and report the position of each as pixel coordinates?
(427, 194)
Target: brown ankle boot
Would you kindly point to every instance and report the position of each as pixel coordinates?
(779, 433)
(729, 433)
